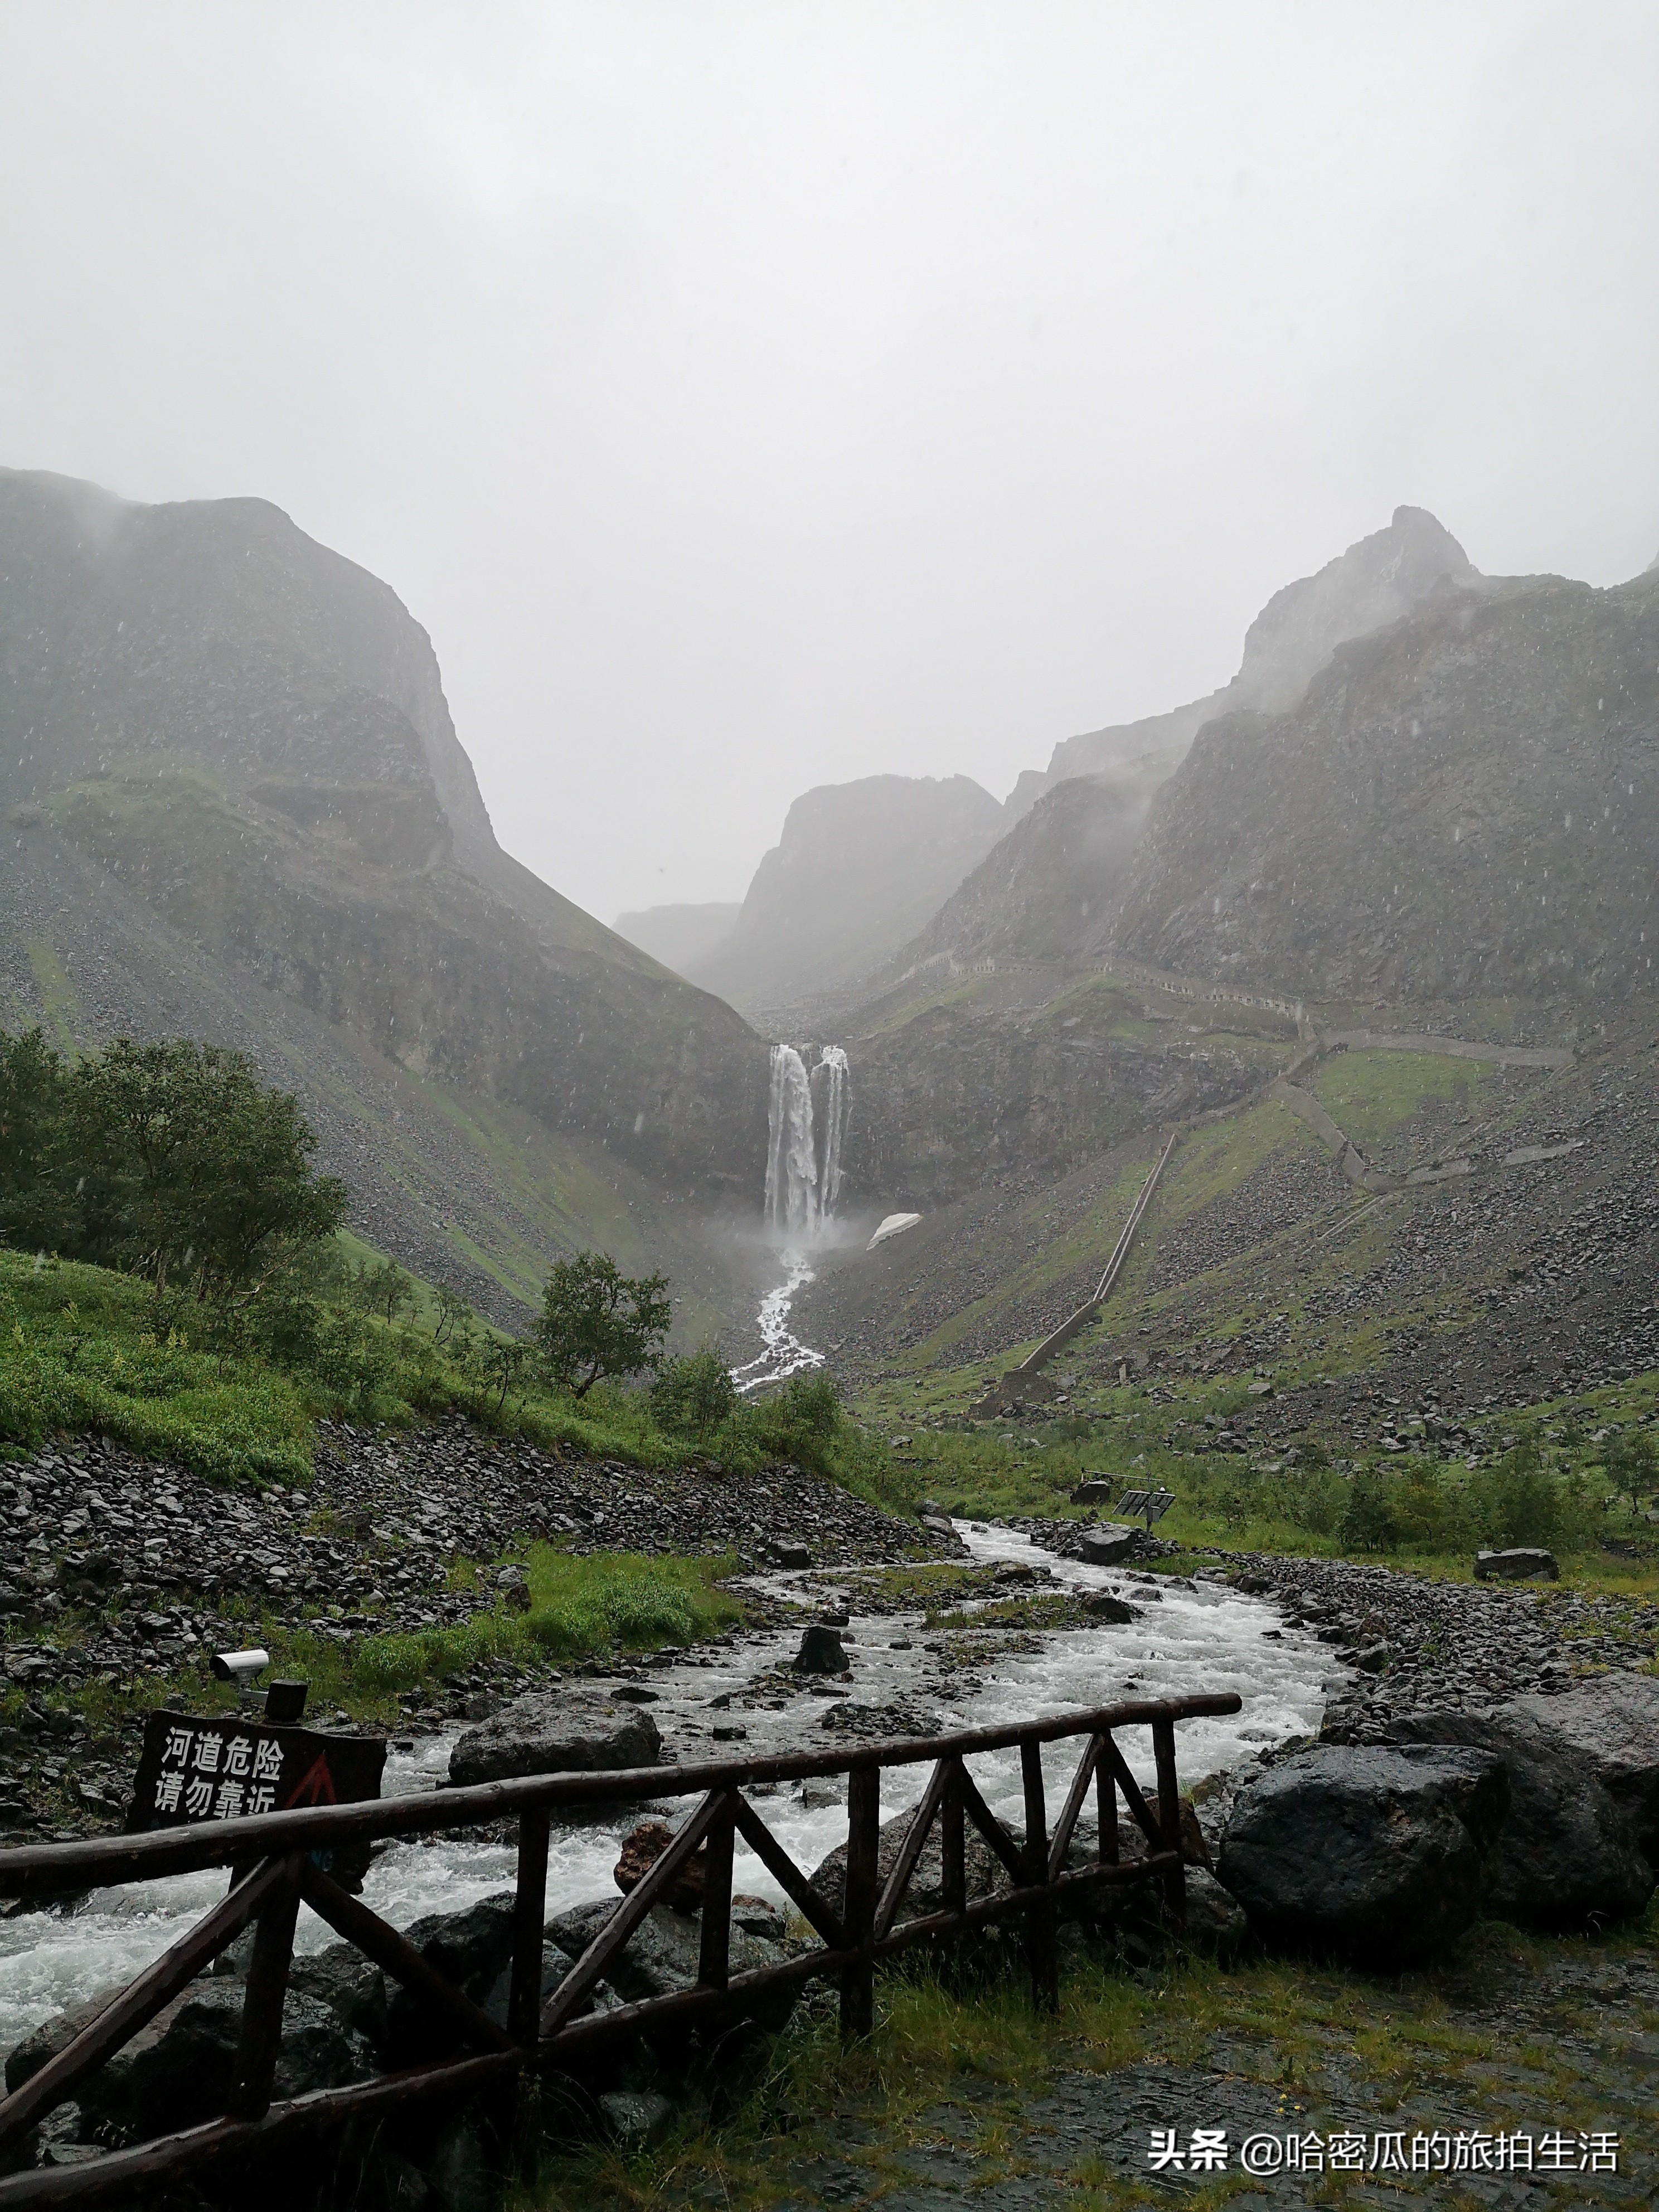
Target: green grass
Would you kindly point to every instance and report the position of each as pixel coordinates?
(965, 2064)
(82, 1348)
(1372, 1096)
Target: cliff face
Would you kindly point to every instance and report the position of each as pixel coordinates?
(251, 733)
(1042, 892)
(859, 869)
(1465, 804)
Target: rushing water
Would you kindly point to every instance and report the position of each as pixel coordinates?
(806, 1127)
(785, 1353)
(1207, 1637)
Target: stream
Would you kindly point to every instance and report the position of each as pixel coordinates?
(1200, 1637)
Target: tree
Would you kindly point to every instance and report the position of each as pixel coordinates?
(191, 1166)
(596, 1321)
(37, 1195)
(1634, 1466)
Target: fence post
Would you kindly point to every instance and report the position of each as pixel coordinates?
(524, 2003)
(1169, 1818)
(953, 1842)
(1040, 1923)
(1105, 1804)
(858, 1989)
(261, 2035)
(714, 1959)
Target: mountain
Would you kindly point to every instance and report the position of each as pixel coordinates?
(679, 936)
(234, 744)
(1465, 805)
(1042, 891)
(858, 869)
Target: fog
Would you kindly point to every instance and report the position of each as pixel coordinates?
(748, 397)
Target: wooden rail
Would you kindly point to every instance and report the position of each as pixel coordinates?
(540, 2037)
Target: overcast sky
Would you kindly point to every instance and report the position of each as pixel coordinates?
(746, 397)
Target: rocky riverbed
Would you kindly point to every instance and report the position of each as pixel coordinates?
(118, 1571)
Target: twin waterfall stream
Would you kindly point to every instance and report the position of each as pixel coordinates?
(806, 1125)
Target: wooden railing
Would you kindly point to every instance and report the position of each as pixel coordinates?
(543, 2036)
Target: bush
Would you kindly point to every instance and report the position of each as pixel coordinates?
(693, 1395)
(1370, 1523)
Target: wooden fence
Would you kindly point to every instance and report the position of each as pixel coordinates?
(546, 2036)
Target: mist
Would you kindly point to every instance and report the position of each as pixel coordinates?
(748, 397)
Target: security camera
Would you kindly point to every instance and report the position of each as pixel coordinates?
(241, 1668)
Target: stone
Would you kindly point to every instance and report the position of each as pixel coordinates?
(1515, 1565)
(785, 1551)
(1103, 1606)
(1372, 1854)
(1109, 1544)
(937, 1524)
(1566, 1854)
(640, 1850)
(636, 2118)
(351, 1986)
(1215, 1920)
(1093, 1490)
(1613, 1720)
(664, 1954)
(468, 1948)
(555, 1732)
(985, 1872)
(820, 1652)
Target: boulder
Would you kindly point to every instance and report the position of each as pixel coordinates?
(788, 1552)
(1515, 1565)
(1114, 1612)
(555, 1732)
(926, 1894)
(1093, 1490)
(1109, 1543)
(1613, 1720)
(642, 1847)
(820, 1652)
(664, 1954)
(1369, 1853)
(1565, 1855)
(469, 1948)
(1215, 1919)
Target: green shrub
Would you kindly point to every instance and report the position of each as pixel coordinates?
(693, 1395)
(1519, 1501)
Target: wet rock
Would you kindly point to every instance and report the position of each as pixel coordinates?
(468, 1948)
(351, 1987)
(642, 1847)
(1613, 1720)
(635, 2119)
(820, 1652)
(1371, 1854)
(1518, 1566)
(1565, 1855)
(1215, 1920)
(786, 1552)
(1114, 1612)
(1108, 1544)
(664, 1954)
(985, 1872)
(555, 1732)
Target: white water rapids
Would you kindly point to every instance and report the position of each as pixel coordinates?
(1189, 1638)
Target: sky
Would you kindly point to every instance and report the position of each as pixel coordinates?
(748, 397)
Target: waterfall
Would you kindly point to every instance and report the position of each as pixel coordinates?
(835, 1128)
(803, 1179)
(791, 1192)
